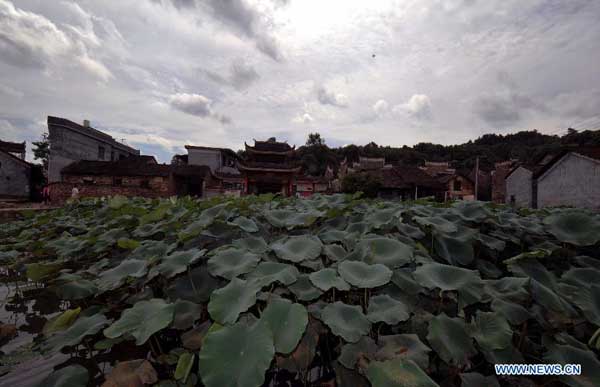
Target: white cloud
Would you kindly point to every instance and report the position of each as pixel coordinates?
(418, 106)
(304, 118)
(380, 107)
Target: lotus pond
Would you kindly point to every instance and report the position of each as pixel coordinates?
(325, 291)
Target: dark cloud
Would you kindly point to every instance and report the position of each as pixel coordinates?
(196, 105)
(327, 97)
(241, 75)
(240, 16)
(504, 110)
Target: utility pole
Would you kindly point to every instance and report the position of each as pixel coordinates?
(477, 178)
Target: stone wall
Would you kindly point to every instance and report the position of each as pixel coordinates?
(15, 177)
(518, 185)
(572, 181)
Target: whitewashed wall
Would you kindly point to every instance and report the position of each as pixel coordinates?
(518, 184)
(572, 181)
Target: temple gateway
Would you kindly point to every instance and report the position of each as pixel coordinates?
(269, 167)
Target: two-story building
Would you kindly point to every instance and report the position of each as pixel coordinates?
(71, 142)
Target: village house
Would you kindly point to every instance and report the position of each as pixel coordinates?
(223, 164)
(269, 167)
(498, 180)
(132, 176)
(71, 142)
(570, 177)
(407, 182)
(15, 172)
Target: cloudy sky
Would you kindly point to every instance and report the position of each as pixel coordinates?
(164, 73)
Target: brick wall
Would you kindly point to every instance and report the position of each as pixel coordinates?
(102, 186)
(499, 181)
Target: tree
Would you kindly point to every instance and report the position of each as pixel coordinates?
(314, 139)
(366, 183)
(41, 150)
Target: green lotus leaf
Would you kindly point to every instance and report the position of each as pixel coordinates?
(449, 338)
(177, 262)
(587, 298)
(386, 251)
(581, 276)
(41, 271)
(474, 379)
(491, 331)
(74, 287)
(61, 321)
(346, 321)
(298, 248)
(128, 244)
(334, 252)
(471, 211)
(348, 377)
(302, 357)
(227, 303)
(403, 279)
(244, 223)
(550, 299)
(151, 251)
(407, 346)
(383, 217)
(384, 308)
(267, 273)
(398, 373)
(437, 223)
(231, 262)
(156, 215)
(185, 314)
(326, 279)
(82, 327)
(196, 286)
(410, 230)
(287, 321)
(237, 355)
(254, 244)
(456, 247)
(490, 242)
(358, 228)
(184, 366)
(115, 277)
(291, 219)
(142, 320)
(352, 352)
(313, 265)
(516, 314)
(467, 282)
(331, 236)
(71, 376)
(68, 247)
(576, 227)
(304, 290)
(363, 275)
(567, 354)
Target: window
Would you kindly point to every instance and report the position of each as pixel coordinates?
(457, 185)
(101, 151)
(145, 184)
(118, 182)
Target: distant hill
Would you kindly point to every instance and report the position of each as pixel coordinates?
(525, 146)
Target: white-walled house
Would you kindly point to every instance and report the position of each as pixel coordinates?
(569, 178)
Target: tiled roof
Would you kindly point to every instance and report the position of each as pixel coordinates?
(133, 166)
(270, 145)
(12, 147)
(406, 176)
(551, 159)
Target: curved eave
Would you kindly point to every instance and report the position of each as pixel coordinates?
(257, 169)
(253, 150)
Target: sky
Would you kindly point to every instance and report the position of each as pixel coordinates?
(160, 74)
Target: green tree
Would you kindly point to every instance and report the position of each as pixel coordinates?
(315, 139)
(41, 150)
(366, 183)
